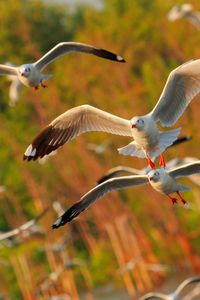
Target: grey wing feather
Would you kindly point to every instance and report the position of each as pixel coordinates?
(119, 170)
(72, 123)
(66, 47)
(186, 170)
(98, 192)
(182, 86)
(8, 70)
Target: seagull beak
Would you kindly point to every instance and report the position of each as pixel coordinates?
(133, 125)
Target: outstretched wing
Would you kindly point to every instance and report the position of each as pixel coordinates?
(186, 170)
(73, 123)
(8, 70)
(119, 170)
(182, 86)
(23, 227)
(98, 192)
(66, 47)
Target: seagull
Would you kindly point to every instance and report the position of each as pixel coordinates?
(161, 180)
(182, 86)
(31, 74)
(174, 295)
(25, 227)
(185, 11)
(121, 170)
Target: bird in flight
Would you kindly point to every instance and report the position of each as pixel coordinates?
(31, 74)
(161, 180)
(185, 11)
(182, 86)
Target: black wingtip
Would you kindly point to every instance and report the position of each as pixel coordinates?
(69, 215)
(58, 223)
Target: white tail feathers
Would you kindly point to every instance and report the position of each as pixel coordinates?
(132, 150)
(167, 138)
(184, 188)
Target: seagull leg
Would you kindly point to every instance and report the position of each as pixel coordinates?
(174, 200)
(183, 200)
(150, 162)
(162, 162)
(43, 85)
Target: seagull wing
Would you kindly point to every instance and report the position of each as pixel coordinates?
(119, 170)
(23, 227)
(182, 86)
(154, 296)
(185, 283)
(66, 47)
(14, 90)
(186, 170)
(72, 123)
(98, 192)
(8, 70)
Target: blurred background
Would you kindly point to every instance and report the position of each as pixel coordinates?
(132, 241)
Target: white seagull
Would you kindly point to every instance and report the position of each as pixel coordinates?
(31, 74)
(182, 86)
(185, 11)
(121, 170)
(174, 295)
(162, 181)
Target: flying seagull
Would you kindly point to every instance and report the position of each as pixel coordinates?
(161, 180)
(182, 86)
(174, 295)
(185, 11)
(124, 170)
(31, 74)
(25, 227)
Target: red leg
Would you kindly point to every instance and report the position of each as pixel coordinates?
(43, 85)
(183, 200)
(150, 162)
(174, 200)
(162, 160)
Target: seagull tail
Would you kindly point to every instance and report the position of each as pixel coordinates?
(184, 188)
(167, 138)
(132, 150)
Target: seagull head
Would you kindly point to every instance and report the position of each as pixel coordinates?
(25, 70)
(155, 175)
(138, 123)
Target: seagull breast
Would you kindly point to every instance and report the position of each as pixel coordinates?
(166, 184)
(148, 137)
